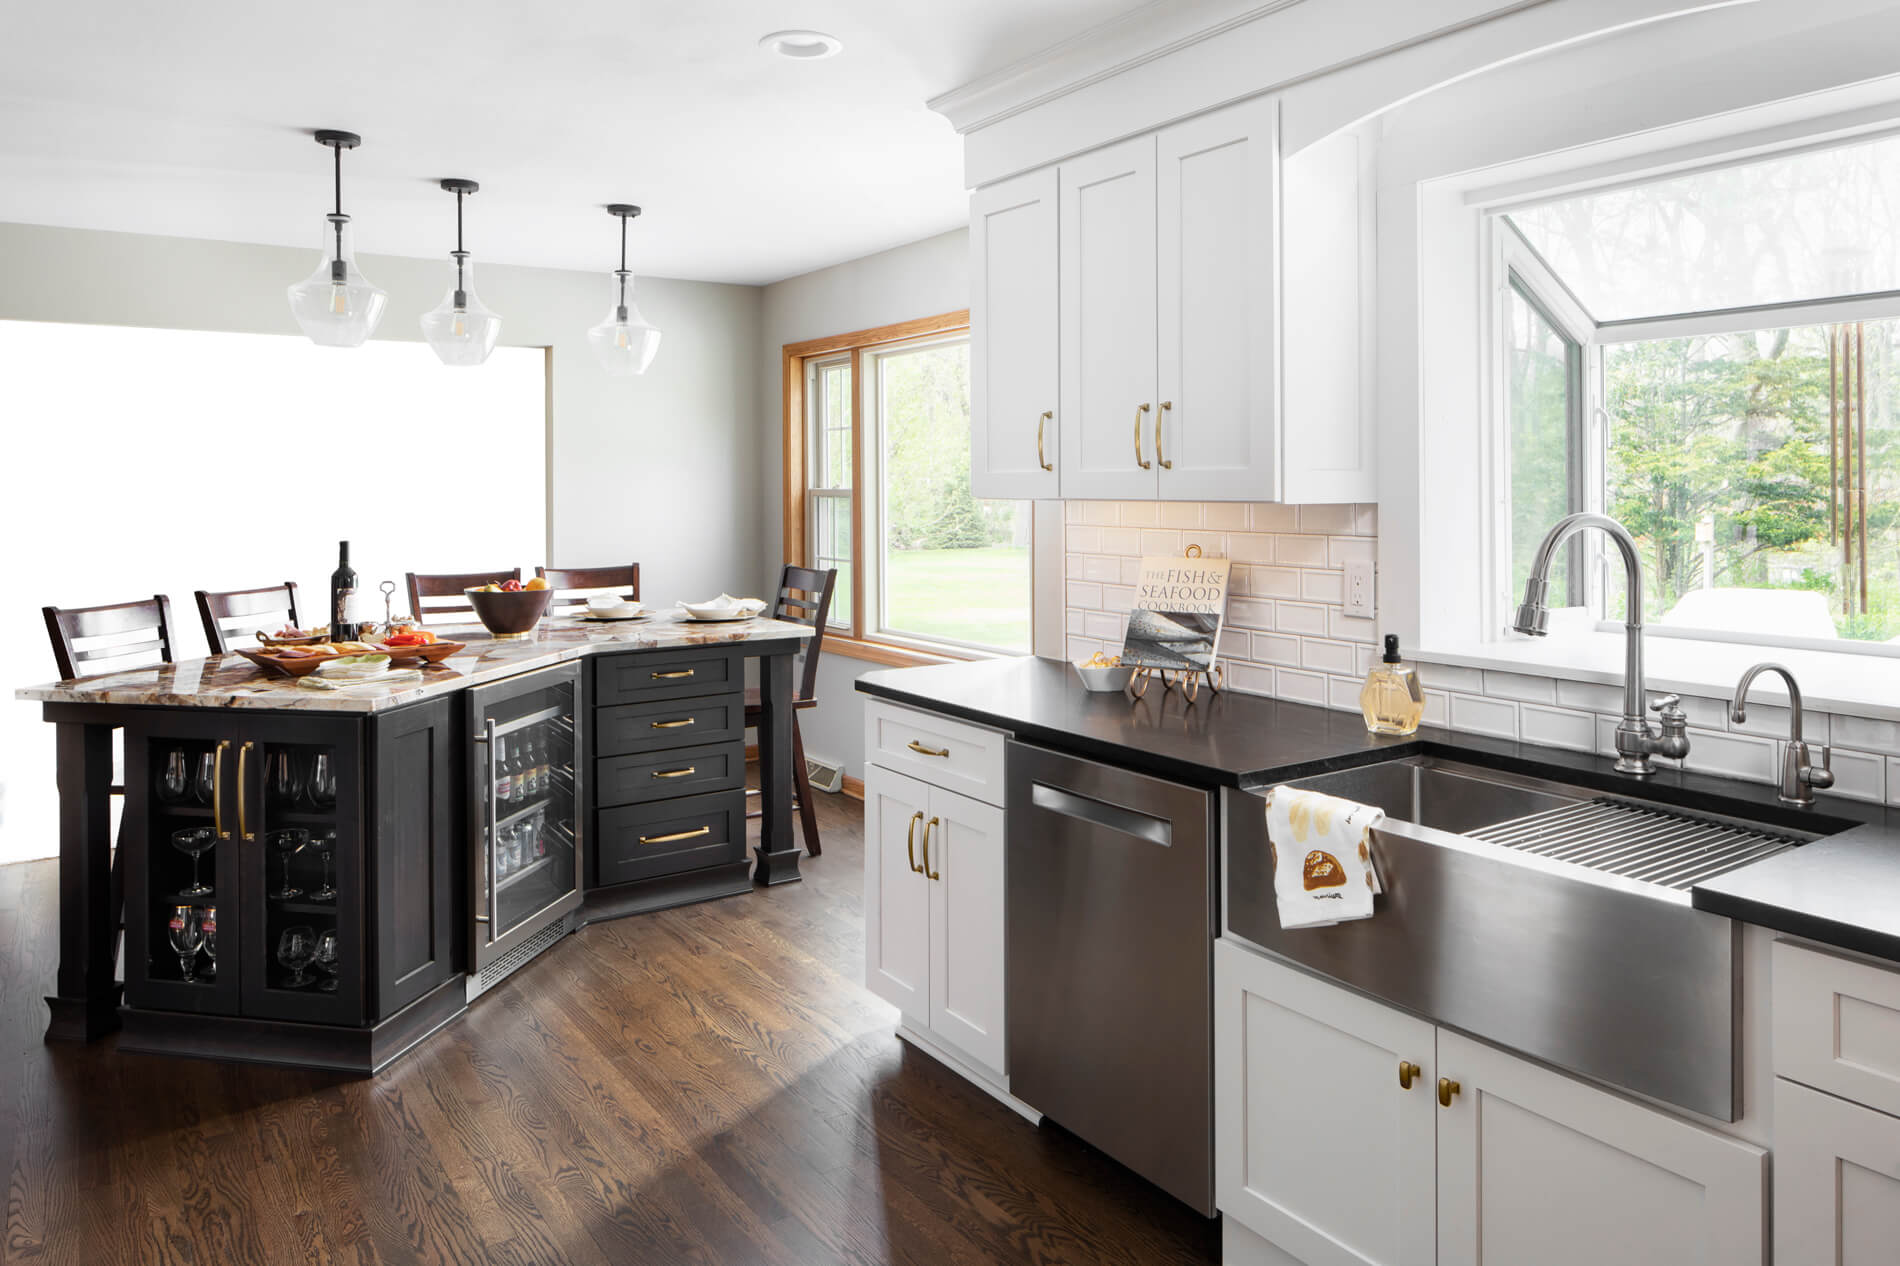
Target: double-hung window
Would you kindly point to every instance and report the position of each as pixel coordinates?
(878, 487)
(1712, 358)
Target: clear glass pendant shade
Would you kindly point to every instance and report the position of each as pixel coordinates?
(461, 329)
(336, 305)
(624, 343)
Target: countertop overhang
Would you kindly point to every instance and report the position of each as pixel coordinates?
(231, 681)
(1843, 890)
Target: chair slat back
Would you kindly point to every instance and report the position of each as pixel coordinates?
(235, 616)
(443, 592)
(804, 597)
(109, 639)
(573, 586)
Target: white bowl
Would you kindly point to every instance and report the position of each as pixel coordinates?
(604, 603)
(1103, 680)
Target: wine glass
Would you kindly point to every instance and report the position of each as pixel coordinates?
(295, 946)
(326, 850)
(283, 780)
(208, 924)
(186, 937)
(174, 782)
(324, 956)
(206, 780)
(194, 840)
(289, 842)
(323, 781)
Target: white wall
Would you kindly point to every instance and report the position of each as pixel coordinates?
(922, 279)
(664, 468)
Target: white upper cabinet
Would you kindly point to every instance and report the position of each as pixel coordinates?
(1013, 341)
(1217, 247)
(1108, 322)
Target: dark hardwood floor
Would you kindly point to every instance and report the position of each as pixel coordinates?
(707, 1085)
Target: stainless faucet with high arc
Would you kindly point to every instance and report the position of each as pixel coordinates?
(1800, 775)
(1636, 739)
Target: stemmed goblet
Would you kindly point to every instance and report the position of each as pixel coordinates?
(326, 851)
(283, 780)
(205, 781)
(187, 938)
(208, 924)
(324, 956)
(323, 782)
(194, 840)
(174, 781)
(289, 842)
(295, 946)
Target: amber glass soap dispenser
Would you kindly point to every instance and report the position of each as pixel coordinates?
(1391, 699)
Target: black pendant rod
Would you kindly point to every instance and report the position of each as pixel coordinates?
(338, 142)
(625, 211)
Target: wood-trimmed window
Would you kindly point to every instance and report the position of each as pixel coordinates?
(860, 496)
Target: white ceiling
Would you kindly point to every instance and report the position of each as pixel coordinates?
(192, 119)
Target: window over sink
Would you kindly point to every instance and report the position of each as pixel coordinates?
(878, 429)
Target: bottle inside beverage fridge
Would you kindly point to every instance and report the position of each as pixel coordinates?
(342, 596)
(504, 775)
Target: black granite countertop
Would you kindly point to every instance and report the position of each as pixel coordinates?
(1843, 889)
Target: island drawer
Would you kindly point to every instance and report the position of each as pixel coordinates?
(1837, 1025)
(644, 840)
(668, 723)
(950, 754)
(684, 771)
(642, 675)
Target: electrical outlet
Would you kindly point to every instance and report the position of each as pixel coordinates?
(1359, 602)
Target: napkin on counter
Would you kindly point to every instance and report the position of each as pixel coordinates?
(1323, 871)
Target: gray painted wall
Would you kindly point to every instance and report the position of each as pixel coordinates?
(918, 280)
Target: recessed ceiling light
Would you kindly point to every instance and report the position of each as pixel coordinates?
(804, 46)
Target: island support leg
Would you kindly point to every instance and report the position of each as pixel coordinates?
(778, 848)
(87, 1004)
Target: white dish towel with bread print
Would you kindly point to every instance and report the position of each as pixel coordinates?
(1323, 871)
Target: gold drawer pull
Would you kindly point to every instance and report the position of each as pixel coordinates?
(217, 791)
(672, 725)
(1042, 421)
(1166, 405)
(676, 836)
(676, 673)
(673, 773)
(244, 820)
(921, 750)
(1447, 1090)
(1407, 1071)
(910, 843)
(928, 827)
(1140, 461)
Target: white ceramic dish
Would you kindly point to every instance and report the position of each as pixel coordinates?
(615, 617)
(724, 607)
(1103, 680)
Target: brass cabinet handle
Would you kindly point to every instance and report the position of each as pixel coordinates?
(929, 873)
(1447, 1090)
(217, 791)
(1044, 462)
(676, 673)
(677, 835)
(673, 773)
(244, 825)
(1166, 405)
(672, 725)
(921, 750)
(910, 843)
(1407, 1071)
(1139, 459)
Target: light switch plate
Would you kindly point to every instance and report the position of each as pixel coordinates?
(1359, 600)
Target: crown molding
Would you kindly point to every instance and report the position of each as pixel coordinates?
(1143, 35)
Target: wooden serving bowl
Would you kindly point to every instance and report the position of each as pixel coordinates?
(434, 653)
(508, 615)
(294, 666)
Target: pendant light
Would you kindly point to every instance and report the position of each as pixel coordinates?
(460, 329)
(624, 343)
(335, 305)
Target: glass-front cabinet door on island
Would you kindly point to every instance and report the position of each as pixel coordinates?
(246, 895)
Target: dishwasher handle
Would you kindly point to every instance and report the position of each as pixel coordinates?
(1101, 813)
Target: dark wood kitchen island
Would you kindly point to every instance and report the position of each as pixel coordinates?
(324, 877)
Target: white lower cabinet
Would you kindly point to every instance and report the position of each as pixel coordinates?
(1323, 1151)
(933, 926)
(1837, 1181)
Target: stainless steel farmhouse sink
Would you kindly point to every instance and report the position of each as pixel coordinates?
(1548, 918)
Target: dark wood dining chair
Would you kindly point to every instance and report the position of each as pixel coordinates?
(236, 615)
(111, 638)
(446, 589)
(572, 586)
(804, 597)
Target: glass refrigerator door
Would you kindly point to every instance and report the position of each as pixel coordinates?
(527, 757)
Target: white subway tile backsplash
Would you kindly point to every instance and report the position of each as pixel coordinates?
(1118, 598)
(1105, 625)
(1083, 594)
(1255, 679)
(1452, 677)
(1342, 693)
(1274, 582)
(1300, 687)
(1225, 516)
(1121, 540)
(1323, 586)
(1893, 780)
(1859, 775)
(1863, 733)
(1327, 520)
(1101, 512)
(1300, 551)
(1131, 570)
(1272, 517)
(1080, 539)
(1075, 511)
(1365, 520)
(1341, 550)
(1276, 648)
(1160, 541)
(1181, 514)
(1299, 617)
(1328, 657)
(1770, 721)
(1350, 627)
(1734, 755)
(1101, 567)
(1250, 613)
(1083, 647)
(1589, 696)
(1519, 686)
(1141, 513)
(1250, 547)
(1476, 714)
(1557, 727)
(1437, 708)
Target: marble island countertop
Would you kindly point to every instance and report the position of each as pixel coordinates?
(231, 681)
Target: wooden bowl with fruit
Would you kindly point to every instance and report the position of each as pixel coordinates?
(511, 609)
(409, 643)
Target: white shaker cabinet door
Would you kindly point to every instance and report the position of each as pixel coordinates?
(1216, 433)
(1107, 215)
(1536, 1167)
(1837, 1181)
(965, 860)
(896, 892)
(1014, 440)
(1318, 1147)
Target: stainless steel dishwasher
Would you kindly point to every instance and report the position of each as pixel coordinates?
(1111, 922)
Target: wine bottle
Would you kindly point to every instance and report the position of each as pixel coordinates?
(504, 775)
(342, 594)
